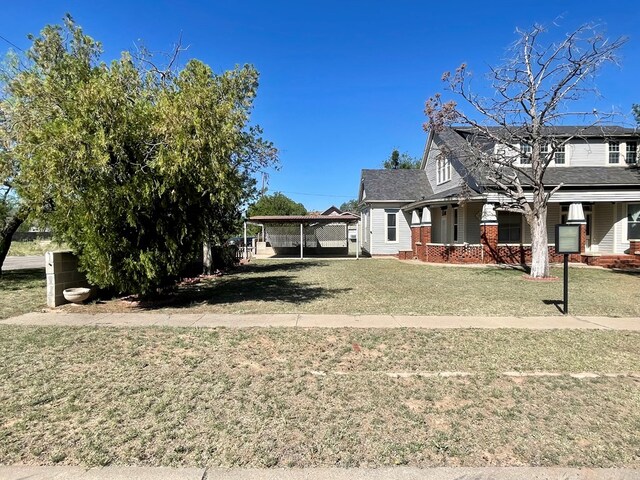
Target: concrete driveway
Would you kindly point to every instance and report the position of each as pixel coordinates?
(20, 263)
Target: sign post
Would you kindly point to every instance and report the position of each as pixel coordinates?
(567, 242)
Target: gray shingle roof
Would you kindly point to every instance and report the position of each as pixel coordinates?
(596, 131)
(401, 184)
(592, 176)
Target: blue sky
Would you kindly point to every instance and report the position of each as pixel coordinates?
(342, 82)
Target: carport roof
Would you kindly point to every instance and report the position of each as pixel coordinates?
(344, 218)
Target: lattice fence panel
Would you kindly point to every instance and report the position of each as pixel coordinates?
(331, 236)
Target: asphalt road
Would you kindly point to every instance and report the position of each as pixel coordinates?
(20, 263)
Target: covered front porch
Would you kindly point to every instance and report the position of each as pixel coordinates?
(479, 231)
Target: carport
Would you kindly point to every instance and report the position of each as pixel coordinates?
(314, 235)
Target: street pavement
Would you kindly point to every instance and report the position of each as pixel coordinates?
(20, 263)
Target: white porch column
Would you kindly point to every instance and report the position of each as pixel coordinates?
(426, 216)
(301, 241)
(576, 214)
(489, 216)
(357, 240)
(415, 218)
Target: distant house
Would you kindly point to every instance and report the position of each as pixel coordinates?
(443, 212)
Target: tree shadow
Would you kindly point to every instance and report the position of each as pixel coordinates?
(21, 275)
(633, 273)
(279, 266)
(238, 289)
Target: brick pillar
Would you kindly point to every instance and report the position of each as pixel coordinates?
(489, 234)
(425, 238)
(634, 247)
(489, 240)
(415, 240)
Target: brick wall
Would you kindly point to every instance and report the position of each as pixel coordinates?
(62, 273)
(439, 253)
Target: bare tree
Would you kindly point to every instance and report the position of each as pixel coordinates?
(533, 93)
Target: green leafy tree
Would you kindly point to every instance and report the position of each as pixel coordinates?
(276, 204)
(132, 166)
(399, 160)
(350, 206)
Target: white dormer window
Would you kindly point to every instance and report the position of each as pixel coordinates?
(443, 167)
(614, 152)
(632, 152)
(525, 154)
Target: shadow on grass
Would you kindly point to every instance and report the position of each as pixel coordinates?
(559, 304)
(238, 289)
(279, 266)
(633, 273)
(18, 277)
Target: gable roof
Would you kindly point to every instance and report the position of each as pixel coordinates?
(581, 176)
(402, 185)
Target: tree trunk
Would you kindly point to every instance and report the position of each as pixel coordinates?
(539, 243)
(9, 228)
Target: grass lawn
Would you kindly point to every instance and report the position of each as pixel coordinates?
(377, 286)
(35, 247)
(22, 291)
(255, 397)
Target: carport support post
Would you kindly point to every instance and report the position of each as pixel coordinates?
(301, 241)
(244, 253)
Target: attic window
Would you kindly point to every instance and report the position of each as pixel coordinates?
(444, 170)
(558, 155)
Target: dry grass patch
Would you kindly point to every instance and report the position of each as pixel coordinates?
(226, 397)
(22, 291)
(376, 286)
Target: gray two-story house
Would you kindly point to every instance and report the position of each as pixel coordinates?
(439, 212)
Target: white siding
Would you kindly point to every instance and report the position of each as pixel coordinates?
(379, 245)
(473, 213)
(622, 243)
(602, 229)
(365, 235)
(431, 169)
(591, 153)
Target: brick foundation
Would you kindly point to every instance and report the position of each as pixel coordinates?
(439, 253)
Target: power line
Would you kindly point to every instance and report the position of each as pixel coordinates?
(316, 194)
(11, 43)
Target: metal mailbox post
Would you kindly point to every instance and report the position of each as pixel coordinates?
(567, 242)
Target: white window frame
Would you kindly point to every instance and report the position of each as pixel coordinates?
(456, 225)
(560, 149)
(386, 226)
(526, 151)
(631, 152)
(443, 170)
(626, 222)
(615, 151)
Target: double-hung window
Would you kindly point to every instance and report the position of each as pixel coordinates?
(509, 227)
(444, 170)
(632, 152)
(392, 226)
(633, 221)
(525, 154)
(614, 152)
(558, 155)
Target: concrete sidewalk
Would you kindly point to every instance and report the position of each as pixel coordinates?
(303, 320)
(397, 473)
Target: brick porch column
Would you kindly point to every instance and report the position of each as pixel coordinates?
(425, 234)
(576, 217)
(415, 233)
(634, 247)
(489, 234)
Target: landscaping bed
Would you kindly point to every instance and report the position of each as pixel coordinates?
(317, 397)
